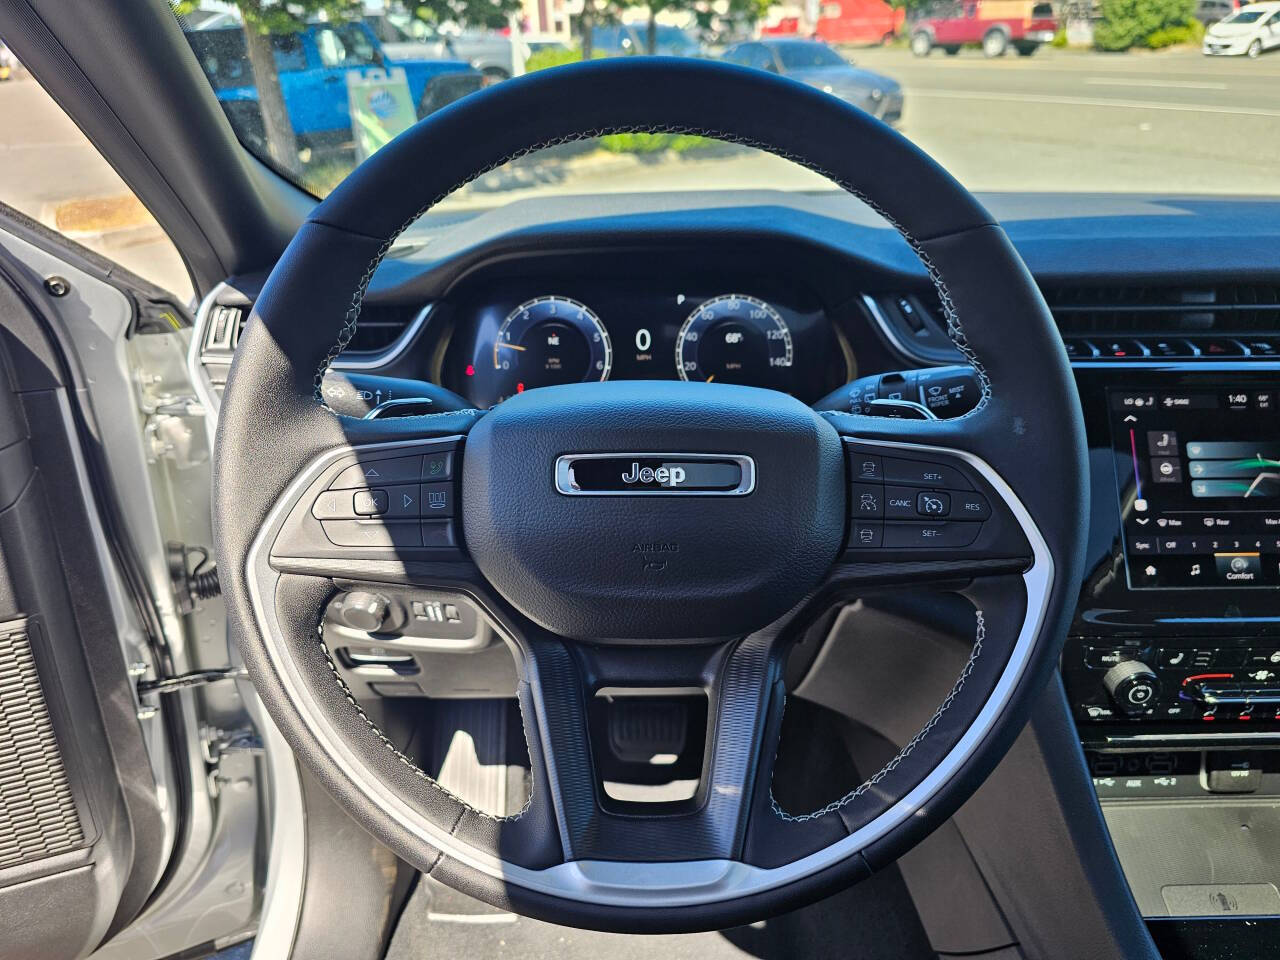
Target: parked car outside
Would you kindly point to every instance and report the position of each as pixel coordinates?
(7, 63)
(498, 56)
(312, 64)
(624, 39)
(1210, 12)
(815, 63)
(995, 24)
(1247, 32)
(842, 21)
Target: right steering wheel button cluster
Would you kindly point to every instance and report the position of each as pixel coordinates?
(908, 504)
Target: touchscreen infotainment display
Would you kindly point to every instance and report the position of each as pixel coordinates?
(1199, 480)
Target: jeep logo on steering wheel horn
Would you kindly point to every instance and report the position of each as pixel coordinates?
(663, 476)
(655, 474)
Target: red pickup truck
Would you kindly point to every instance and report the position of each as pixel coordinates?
(996, 24)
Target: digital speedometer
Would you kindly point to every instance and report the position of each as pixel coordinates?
(550, 340)
(734, 339)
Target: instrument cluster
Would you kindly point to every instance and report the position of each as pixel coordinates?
(511, 342)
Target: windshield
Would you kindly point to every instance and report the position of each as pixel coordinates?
(1009, 95)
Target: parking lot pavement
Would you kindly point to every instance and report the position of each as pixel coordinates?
(1172, 122)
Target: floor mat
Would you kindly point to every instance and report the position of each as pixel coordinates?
(871, 921)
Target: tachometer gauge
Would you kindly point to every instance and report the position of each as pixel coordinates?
(735, 339)
(551, 340)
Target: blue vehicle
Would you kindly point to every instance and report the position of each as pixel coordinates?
(312, 64)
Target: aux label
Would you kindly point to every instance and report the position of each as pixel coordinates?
(664, 476)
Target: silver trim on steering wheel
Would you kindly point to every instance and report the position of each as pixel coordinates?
(632, 884)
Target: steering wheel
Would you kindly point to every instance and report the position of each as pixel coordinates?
(742, 520)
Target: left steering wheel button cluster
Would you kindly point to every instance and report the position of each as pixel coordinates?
(377, 503)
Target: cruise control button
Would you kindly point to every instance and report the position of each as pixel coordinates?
(369, 503)
(921, 473)
(372, 534)
(898, 535)
(437, 499)
(969, 506)
(933, 503)
(865, 535)
(378, 473)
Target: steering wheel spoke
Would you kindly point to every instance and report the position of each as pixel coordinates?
(652, 752)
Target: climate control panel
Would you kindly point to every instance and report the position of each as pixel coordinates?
(1224, 681)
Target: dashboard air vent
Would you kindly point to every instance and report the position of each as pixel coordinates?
(379, 327)
(1160, 323)
(1240, 309)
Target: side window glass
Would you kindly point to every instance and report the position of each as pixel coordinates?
(360, 51)
(55, 176)
(330, 47)
(289, 52)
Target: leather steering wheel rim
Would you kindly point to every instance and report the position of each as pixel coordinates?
(1024, 444)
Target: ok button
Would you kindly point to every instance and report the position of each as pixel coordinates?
(932, 504)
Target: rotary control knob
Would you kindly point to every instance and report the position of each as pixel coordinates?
(1133, 686)
(365, 611)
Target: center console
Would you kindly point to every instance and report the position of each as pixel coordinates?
(1172, 666)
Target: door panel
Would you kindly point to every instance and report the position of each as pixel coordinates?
(84, 834)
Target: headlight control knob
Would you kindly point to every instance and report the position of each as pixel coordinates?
(1133, 686)
(364, 611)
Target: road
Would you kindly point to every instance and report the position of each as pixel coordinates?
(1171, 122)
(1174, 122)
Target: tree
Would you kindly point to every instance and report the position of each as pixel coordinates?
(264, 19)
(596, 13)
(1127, 23)
(703, 12)
(486, 14)
(912, 8)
